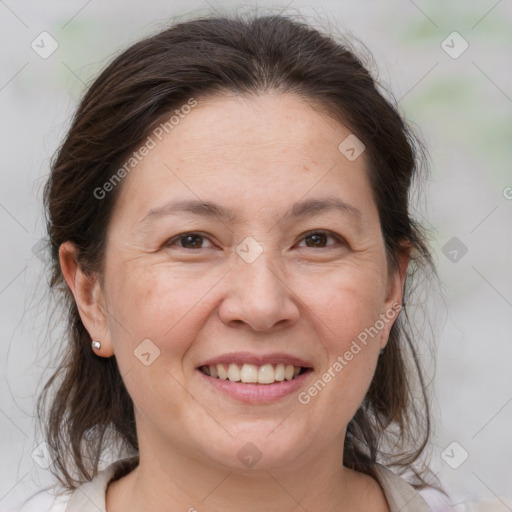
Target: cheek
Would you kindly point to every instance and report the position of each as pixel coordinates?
(150, 302)
(347, 299)
(138, 289)
(352, 354)
(159, 302)
(347, 308)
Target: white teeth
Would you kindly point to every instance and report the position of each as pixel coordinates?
(233, 372)
(266, 374)
(288, 372)
(279, 372)
(249, 373)
(253, 374)
(223, 374)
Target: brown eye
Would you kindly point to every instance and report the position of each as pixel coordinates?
(319, 239)
(188, 241)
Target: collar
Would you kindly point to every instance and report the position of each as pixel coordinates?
(90, 496)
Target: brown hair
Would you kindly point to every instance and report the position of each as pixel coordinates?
(91, 411)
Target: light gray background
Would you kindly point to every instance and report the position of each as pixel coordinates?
(463, 107)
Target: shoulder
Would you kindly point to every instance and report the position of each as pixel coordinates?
(403, 497)
(46, 501)
(90, 496)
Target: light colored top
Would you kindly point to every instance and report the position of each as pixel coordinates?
(90, 496)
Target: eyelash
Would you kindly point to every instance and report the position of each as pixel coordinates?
(340, 239)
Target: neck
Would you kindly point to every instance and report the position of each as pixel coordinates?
(169, 480)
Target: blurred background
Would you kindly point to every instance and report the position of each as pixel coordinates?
(449, 65)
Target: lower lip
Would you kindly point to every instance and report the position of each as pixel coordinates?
(257, 393)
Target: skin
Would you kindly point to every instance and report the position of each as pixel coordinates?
(256, 156)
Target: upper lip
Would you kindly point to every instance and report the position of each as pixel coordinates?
(256, 359)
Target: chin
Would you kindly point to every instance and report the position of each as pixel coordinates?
(258, 450)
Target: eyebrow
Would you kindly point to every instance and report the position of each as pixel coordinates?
(211, 209)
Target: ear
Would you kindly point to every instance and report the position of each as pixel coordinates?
(394, 298)
(89, 298)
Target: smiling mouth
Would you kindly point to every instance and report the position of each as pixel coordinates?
(254, 374)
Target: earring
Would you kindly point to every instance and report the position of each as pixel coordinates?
(381, 351)
(96, 344)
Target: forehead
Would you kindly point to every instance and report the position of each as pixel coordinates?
(250, 150)
(279, 124)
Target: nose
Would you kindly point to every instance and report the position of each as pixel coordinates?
(259, 296)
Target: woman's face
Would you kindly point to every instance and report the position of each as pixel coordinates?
(246, 238)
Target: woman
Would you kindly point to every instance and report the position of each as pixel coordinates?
(229, 217)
